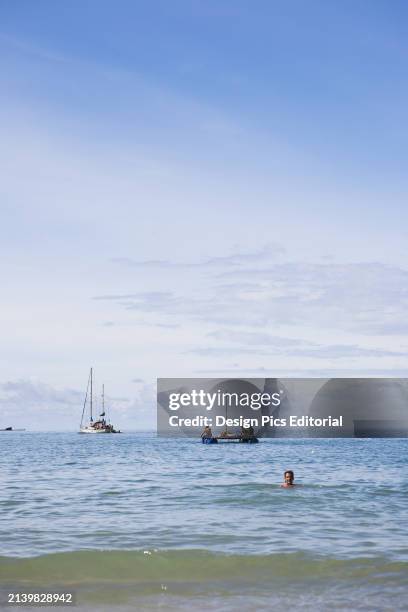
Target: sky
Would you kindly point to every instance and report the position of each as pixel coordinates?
(198, 188)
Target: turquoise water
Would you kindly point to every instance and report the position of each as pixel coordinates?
(138, 521)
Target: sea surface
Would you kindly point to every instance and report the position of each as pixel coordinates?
(137, 522)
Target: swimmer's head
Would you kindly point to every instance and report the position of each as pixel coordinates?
(289, 477)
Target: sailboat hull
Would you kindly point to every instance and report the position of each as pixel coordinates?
(91, 430)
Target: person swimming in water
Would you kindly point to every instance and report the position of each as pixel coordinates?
(288, 478)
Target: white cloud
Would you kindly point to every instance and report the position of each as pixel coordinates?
(363, 298)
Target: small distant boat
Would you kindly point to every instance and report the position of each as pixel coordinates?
(101, 425)
(247, 435)
(11, 429)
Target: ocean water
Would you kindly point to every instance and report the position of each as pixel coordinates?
(134, 521)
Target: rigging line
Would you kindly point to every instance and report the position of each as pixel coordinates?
(86, 397)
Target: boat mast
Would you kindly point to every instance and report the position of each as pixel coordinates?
(103, 400)
(91, 396)
(85, 401)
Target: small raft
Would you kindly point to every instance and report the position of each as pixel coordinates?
(234, 439)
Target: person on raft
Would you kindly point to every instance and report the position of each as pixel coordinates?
(225, 434)
(288, 478)
(247, 433)
(207, 433)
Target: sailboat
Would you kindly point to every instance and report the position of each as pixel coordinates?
(101, 425)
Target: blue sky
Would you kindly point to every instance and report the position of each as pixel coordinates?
(200, 187)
